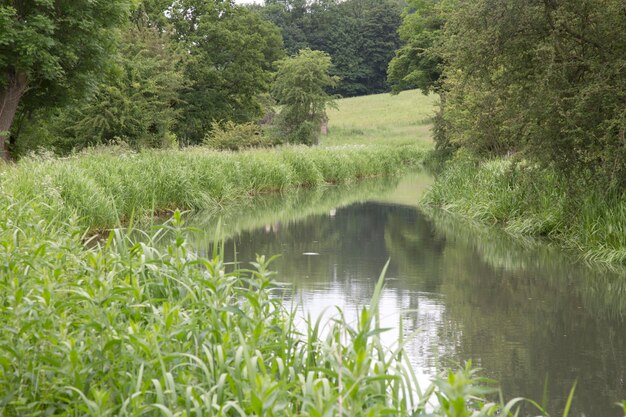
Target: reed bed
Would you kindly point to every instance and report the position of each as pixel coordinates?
(528, 201)
(147, 327)
(106, 187)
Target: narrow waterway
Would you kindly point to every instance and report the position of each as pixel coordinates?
(529, 316)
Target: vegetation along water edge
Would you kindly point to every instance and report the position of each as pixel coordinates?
(131, 328)
(105, 187)
(526, 200)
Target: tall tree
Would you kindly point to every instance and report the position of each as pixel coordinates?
(289, 16)
(360, 36)
(136, 102)
(543, 78)
(230, 55)
(48, 48)
(417, 64)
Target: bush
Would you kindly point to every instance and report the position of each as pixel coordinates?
(232, 136)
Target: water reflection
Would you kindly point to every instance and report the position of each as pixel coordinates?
(521, 311)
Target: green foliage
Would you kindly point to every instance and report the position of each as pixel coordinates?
(229, 63)
(234, 137)
(360, 36)
(50, 49)
(300, 88)
(134, 104)
(149, 327)
(108, 184)
(545, 79)
(416, 64)
(57, 45)
(178, 70)
(527, 200)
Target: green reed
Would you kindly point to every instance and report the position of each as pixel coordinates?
(528, 201)
(131, 328)
(148, 327)
(105, 187)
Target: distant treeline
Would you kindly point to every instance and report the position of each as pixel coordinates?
(361, 36)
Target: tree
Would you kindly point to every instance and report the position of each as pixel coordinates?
(136, 102)
(289, 16)
(49, 48)
(230, 52)
(300, 88)
(359, 35)
(545, 79)
(417, 64)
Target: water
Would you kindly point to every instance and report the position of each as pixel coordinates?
(525, 313)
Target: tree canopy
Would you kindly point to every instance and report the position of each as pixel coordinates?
(300, 88)
(416, 64)
(359, 35)
(229, 63)
(51, 48)
(178, 67)
(544, 79)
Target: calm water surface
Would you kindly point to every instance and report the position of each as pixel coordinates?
(526, 314)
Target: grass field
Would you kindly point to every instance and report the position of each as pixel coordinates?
(382, 119)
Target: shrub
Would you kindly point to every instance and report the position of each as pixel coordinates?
(232, 136)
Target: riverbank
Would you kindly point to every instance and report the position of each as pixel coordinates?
(527, 201)
(132, 329)
(104, 188)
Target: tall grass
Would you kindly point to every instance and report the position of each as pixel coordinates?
(105, 187)
(148, 327)
(288, 207)
(528, 201)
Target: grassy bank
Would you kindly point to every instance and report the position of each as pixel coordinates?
(139, 329)
(103, 188)
(402, 119)
(128, 329)
(527, 201)
(131, 328)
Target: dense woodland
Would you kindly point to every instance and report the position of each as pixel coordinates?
(544, 80)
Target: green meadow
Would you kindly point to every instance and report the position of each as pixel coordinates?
(388, 119)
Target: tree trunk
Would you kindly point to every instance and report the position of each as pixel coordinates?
(10, 94)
